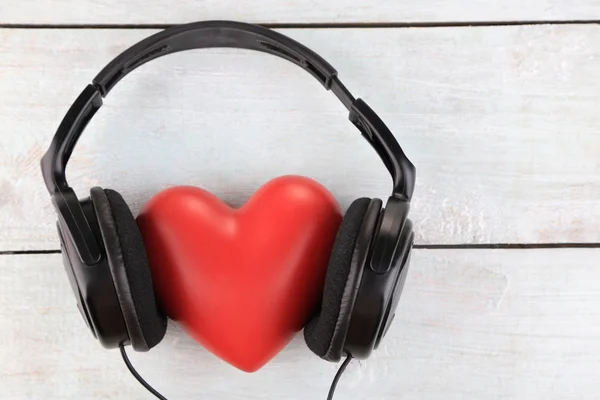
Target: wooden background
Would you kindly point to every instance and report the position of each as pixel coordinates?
(501, 119)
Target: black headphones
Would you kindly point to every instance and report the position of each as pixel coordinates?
(104, 254)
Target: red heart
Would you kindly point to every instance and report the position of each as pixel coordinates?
(241, 282)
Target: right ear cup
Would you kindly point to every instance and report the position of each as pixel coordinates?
(326, 331)
(129, 268)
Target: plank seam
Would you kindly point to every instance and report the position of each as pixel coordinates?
(508, 246)
(482, 246)
(22, 252)
(324, 25)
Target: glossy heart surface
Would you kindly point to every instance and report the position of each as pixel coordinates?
(241, 281)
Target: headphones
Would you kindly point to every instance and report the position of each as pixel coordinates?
(104, 254)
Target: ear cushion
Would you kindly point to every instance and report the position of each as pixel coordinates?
(326, 331)
(129, 268)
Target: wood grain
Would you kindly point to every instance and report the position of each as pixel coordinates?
(501, 122)
(291, 11)
(501, 324)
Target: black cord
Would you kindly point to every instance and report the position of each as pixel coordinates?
(161, 397)
(337, 377)
(137, 376)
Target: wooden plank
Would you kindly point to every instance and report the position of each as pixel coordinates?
(472, 324)
(292, 11)
(501, 122)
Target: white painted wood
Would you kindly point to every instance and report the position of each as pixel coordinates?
(473, 324)
(291, 11)
(501, 122)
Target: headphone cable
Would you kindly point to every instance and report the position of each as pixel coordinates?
(137, 376)
(161, 397)
(337, 377)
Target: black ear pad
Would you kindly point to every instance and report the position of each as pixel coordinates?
(325, 333)
(128, 264)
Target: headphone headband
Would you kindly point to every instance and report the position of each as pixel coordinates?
(222, 34)
(209, 34)
(195, 36)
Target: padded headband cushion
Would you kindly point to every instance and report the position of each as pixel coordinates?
(324, 334)
(130, 269)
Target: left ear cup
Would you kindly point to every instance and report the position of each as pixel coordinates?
(326, 332)
(128, 265)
